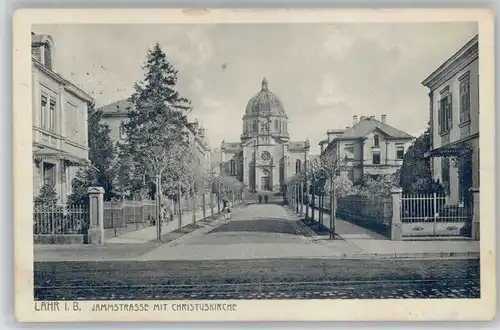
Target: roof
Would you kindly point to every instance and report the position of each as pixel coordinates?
(368, 125)
(230, 145)
(325, 140)
(298, 145)
(264, 102)
(470, 48)
(123, 106)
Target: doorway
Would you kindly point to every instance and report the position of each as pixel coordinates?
(266, 180)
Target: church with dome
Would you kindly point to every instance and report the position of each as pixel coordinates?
(265, 158)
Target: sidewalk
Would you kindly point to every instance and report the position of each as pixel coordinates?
(375, 246)
(148, 234)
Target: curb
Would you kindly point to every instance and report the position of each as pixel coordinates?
(431, 255)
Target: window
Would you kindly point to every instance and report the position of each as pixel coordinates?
(47, 56)
(376, 141)
(43, 111)
(276, 124)
(123, 136)
(49, 174)
(376, 157)
(72, 123)
(400, 152)
(298, 166)
(52, 115)
(232, 167)
(265, 156)
(351, 175)
(445, 118)
(254, 125)
(465, 100)
(349, 153)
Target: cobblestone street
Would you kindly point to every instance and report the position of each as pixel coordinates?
(254, 279)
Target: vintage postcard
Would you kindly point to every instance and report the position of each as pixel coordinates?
(254, 165)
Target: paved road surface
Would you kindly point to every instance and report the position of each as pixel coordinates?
(258, 279)
(257, 232)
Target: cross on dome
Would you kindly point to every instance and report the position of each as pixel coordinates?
(264, 84)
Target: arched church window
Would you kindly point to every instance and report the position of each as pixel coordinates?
(276, 124)
(298, 166)
(254, 125)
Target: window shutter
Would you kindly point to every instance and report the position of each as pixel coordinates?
(440, 118)
(450, 112)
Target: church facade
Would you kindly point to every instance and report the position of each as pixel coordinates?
(265, 158)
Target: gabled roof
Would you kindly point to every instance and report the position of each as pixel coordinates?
(366, 126)
(122, 106)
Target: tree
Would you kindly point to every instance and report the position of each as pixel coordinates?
(47, 195)
(156, 129)
(102, 156)
(329, 166)
(415, 174)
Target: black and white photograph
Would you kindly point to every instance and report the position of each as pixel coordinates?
(182, 169)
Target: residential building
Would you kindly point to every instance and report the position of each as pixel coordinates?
(265, 158)
(59, 114)
(454, 117)
(368, 147)
(115, 115)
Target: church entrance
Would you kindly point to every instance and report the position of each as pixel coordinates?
(266, 180)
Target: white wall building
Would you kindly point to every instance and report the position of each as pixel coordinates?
(60, 110)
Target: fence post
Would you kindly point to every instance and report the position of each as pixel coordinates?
(396, 230)
(475, 232)
(96, 215)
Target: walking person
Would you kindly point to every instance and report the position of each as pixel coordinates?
(260, 199)
(266, 198)
(163, 214)
(226, 209)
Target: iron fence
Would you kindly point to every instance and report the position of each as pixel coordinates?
(432, 208)
(62, 219)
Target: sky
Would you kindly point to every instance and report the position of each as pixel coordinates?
(322, 73)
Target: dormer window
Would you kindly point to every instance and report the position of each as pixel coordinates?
(47, 56)
(376, 141)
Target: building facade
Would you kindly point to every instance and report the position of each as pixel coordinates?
(115, 115)
(265, 158)
(368, 147)
(59, 115)
(454, 118)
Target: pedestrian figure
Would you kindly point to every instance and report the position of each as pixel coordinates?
(163, 214)
(226, 210)
(266, 198)
(260, 199)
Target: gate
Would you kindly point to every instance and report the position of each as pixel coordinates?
(429, 215)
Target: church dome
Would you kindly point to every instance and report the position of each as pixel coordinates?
(264, 102)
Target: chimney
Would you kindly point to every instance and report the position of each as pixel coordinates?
(384, 118)
(354, 120)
